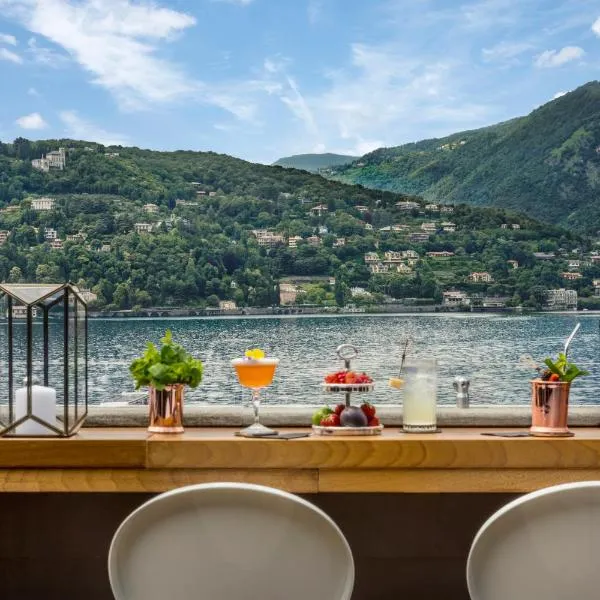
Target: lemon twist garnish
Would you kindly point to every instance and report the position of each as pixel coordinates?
(255, 354)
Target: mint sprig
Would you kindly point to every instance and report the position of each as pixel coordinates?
(566, 371)
(169, 365)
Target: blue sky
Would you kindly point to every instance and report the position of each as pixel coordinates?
(260, 79)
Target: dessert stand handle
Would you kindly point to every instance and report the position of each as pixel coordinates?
(347, 352)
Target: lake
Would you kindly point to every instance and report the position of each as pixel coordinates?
(484, 347)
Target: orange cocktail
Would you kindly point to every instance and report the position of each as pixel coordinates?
(255, 373)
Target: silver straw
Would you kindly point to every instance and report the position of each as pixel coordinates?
(570, 338)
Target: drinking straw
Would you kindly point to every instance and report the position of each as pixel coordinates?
(570, 338)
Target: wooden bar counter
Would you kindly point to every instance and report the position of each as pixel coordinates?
(457, 460)
(422, 497)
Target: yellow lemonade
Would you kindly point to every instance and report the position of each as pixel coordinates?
(255, 373)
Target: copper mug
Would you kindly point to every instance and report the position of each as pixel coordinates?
(549, 408)
(166, 409)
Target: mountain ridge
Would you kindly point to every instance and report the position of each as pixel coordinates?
(546, 164)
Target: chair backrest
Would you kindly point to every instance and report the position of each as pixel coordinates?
(543, 545)
(229, 541)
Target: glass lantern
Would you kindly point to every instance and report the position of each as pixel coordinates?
(43, 360)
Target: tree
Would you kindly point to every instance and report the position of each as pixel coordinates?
(16, 275)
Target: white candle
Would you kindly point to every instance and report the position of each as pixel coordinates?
(43, 406)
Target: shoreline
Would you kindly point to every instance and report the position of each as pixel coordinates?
(390, 310)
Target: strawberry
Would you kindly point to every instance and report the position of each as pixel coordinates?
(350, 377)
(331, 420)
(338, 409)
(369, 410)
(374, 422)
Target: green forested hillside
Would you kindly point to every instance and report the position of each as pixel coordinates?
(546, 164)
(144, 228)
(314, 162)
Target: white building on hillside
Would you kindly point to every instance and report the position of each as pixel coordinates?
(561, 299)
(42, 203)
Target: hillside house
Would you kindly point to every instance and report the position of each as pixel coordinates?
(378, 268)
(57, 159)
(339, 242)
(293, 241)
(440, 254)
(407, 205)
(561, 299)
(449, 227)
(513, 263)
(313, 240)
(56, 244)
(417, 237)
(42, 203)
(4, 236)
(447, 209)
(481, 277)
(504, 226)
(227, 305)
(571, 276)
(393, 257)
(318, 210)
(516, 226)
(400, 228)
(88, 295)
(143, 227)
(151, 208)
(368, 227)
(371, 257)
(403, 269)
(429, 227)
(544, 255)
(455, 298)
(50, 233)
(77, 237)
(574, 264)
(362, 209)
(432, 208)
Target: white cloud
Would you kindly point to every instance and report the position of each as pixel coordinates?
(10, 56)
(32, 121)
(557, 58)
(314, 11)
(116, 41)
(33, 92)
(6, 38)
(79, 128)
(44, 55)
(596, 27)
(505, 52)
(559, 95)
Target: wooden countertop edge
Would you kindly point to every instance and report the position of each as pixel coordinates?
(214, 448)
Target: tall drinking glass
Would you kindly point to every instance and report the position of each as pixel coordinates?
(256, 374)
(420, 396)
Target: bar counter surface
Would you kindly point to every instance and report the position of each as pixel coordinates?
(457, 460)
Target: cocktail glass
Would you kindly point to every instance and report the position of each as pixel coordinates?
(420, 396)
(256, 374)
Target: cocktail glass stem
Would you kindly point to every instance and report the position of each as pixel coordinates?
(256, 404)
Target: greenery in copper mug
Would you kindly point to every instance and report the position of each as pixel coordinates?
(562, 369)
(168, 365)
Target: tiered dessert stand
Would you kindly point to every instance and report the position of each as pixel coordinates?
(347, 352)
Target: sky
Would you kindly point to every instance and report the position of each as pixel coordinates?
(262, 79)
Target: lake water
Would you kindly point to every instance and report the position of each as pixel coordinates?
(484, 347)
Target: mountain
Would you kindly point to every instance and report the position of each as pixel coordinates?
(142, 228)
(314, 162)
(546, 164)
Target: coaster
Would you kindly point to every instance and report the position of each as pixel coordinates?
(438, 430)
